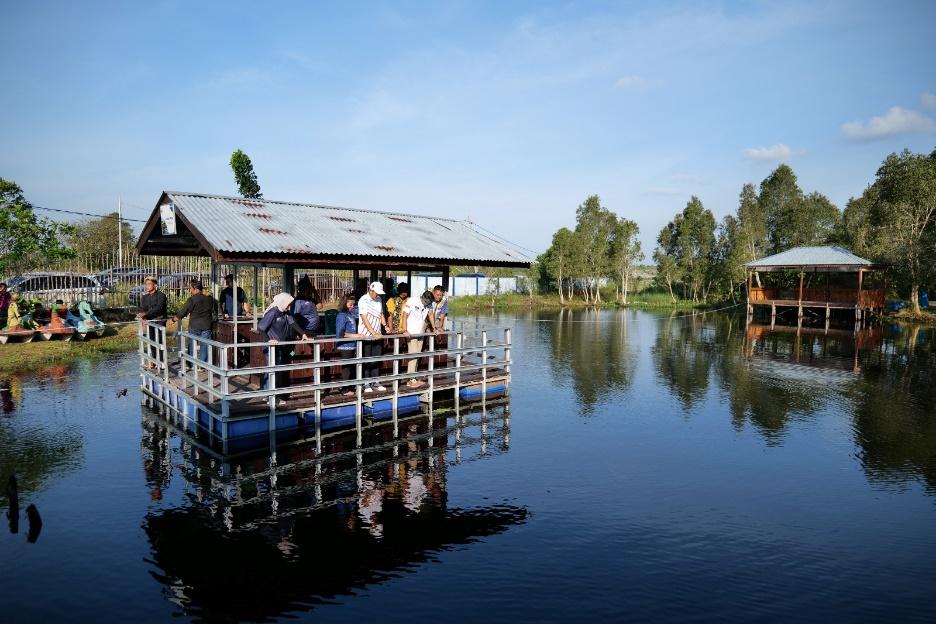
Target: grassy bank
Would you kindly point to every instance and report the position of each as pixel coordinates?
(926, 317)
(513, 301)
(20, 358)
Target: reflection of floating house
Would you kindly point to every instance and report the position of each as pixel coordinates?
(241, 390)
(262, 536)
(808, 352)
(822, 279)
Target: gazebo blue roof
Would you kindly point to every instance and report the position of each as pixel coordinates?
(828, 257)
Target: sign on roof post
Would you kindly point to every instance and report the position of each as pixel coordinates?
(167, 219)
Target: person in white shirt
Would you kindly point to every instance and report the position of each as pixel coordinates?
(413, 321)
(370, 325)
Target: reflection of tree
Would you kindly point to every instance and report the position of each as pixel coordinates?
(682, 357)
(36, 454)
(895, 412)
(781, 375)
(590, 348)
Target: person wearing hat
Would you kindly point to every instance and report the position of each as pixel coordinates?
(199, 308)
(227, 299)
(153, 306)
(370, 325)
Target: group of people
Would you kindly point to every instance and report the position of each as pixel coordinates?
(367, 314)
(379, 312)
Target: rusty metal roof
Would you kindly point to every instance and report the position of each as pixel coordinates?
(233, 226)
(799, 257)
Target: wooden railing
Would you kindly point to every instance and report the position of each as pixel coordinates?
(873, 298)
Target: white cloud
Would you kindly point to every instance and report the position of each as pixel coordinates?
(664, 190)
(928, 100)
(896, 121)
(774, 152)
(631, 83)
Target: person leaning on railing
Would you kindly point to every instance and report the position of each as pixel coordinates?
(370, 324)
(346, 327)
(200, 310)
(413, 321)
(279, 325)
(153, 306)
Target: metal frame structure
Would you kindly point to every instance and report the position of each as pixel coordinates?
(217, 392)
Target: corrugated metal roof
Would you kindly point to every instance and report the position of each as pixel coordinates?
(237, 225)
(811, 256)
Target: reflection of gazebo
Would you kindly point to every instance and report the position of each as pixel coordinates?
(829, 278)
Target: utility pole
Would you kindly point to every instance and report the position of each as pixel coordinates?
(119, 233)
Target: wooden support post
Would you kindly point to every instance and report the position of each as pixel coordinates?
(445, 278)
(317, 378)
(860, 282)
(396, 384)
(800, 299)
(358, 407)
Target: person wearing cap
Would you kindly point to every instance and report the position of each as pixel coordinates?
(412, 322)
(227, 299)
(199, 308)
(153, 306)
(370, 325)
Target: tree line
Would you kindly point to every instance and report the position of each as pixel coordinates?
(701, 259)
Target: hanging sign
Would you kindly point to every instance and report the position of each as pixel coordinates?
(167, 219)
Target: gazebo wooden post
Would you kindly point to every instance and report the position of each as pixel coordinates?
(750, 308)
(799, 315)
(858, 303)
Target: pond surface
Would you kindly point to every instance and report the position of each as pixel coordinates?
(646, 467)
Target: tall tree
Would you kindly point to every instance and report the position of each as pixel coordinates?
(247, 184)
(696, 234)
(594, 227)
(905, 216)
(668, 271)
(559, 259)
(795, 219)
(25, 239)
(752, 224)
(625, 253)
(97, 237)
(856, 231)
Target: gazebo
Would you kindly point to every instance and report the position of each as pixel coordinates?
(819, 278)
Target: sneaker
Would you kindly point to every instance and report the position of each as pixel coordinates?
(368, 389)
(380, 388)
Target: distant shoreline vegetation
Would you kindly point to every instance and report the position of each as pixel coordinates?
(699, 261)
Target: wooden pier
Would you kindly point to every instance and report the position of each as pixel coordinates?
(231, 402)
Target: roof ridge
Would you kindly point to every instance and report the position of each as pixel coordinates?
(307, 205)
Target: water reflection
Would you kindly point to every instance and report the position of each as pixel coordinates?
(263, 535)
(31, 448)
(590, 350)
(883, 377)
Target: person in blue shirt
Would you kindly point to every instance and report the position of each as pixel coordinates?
(305, 309)
(346, 327)
(279, 325)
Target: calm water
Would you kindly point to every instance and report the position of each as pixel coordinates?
(645, 468)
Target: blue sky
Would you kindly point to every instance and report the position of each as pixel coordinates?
(510, 113)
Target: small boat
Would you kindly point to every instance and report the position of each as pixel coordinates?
(19, 327)
(84, 322)
(56, 327)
